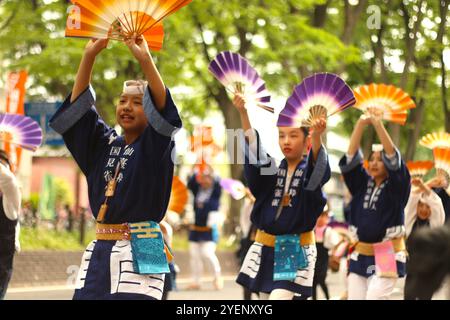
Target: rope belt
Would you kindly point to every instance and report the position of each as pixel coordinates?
(118, 232)
(366, 249)
(306, 238)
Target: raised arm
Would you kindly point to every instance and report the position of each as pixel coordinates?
(139, 48)
(239, 103)
(355, 140)
(83, 78)
(382, 133)
(318, 129)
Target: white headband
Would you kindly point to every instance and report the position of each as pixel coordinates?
(133, 87)
(377, 147)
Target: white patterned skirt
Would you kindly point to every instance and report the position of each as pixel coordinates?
(257, 272)
(107, 273)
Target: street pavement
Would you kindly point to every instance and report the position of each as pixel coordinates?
(231, 291)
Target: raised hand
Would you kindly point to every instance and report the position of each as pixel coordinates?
(318, 127)
(83, 78)
(438, 182)
(139, 48)
(375, 115)
(95, 46)
(417, 182)
(239, 102)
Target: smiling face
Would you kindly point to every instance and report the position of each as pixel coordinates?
(130, 113)
(292, 142)
(423, 211)
(377, 169)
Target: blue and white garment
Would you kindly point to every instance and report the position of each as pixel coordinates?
(142, 192)
(206, 203)
(267, 183)
(376, 214)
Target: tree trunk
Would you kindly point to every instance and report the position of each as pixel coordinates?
(421, 85)
(351, 18)
(410, 44)
(378, 50)
(232, 121)
(444, 94)
(443, 15)
(320, 14)
(414, 136)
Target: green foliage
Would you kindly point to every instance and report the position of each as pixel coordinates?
(45, 239)
(34, 200)
(63, 192)
(278, 37)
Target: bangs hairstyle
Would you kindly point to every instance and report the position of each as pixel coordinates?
(305, 131)
(372, 153)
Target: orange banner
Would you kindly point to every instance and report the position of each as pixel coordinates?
(15, 102)
(15, 92)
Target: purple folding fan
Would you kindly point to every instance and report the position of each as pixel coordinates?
(320, 95)
(234, 187)
(238, 76)
(20, 130)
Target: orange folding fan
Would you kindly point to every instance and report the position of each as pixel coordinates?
(442, 161)
(419, 169)
(436, 140)
(393, 101)
(178, 196)
(121, 19)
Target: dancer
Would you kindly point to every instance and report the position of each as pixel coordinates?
(129, 178)
(10, 198)
(424, 210)
(204, 233)
(288, 202)
(379, 196)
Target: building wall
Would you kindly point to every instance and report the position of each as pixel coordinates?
(61, 167)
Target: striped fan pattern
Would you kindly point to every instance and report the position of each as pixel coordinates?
(121, 19)
(419, 169)
(21, 131)
(238, 76)
(436, 140)
(392, 101)
(320, 95)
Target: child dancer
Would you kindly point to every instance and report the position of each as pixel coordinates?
(129, 178)
(424, 208)
(203, 235)
(288, 202)
(379, 197)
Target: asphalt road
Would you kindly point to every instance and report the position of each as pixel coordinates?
(231, 291)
